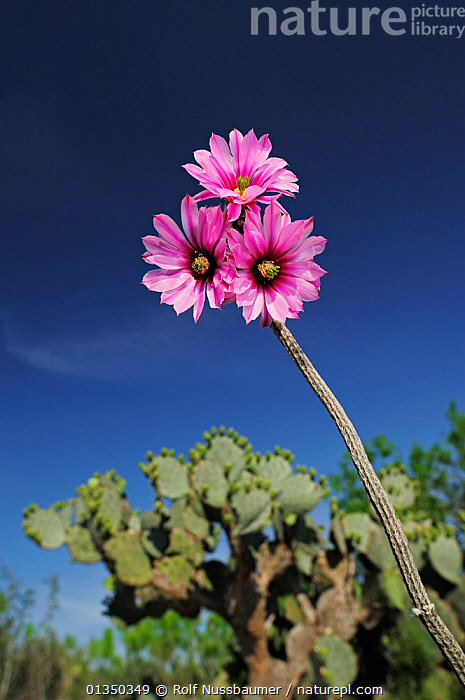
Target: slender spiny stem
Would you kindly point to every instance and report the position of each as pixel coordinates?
(378, 497)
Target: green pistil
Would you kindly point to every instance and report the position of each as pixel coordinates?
(242, 183)
(268, 269)
(200, 264)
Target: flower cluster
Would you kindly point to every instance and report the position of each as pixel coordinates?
(265, 264)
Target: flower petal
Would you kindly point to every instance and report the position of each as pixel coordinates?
(276, 304)
(235, 139)
(218, 171)
(169, 231)
(200, 299)
(165, 280)
(253, 310)
(234, 211)
(271, 225)
(190, 219)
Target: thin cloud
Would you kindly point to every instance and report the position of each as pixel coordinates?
(106, 354)
(82, 612)
(110, 356)
(144, 351)
(81, 618)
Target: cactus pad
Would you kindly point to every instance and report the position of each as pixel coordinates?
(110, 509)
(196, 503)
(223, 449)
(447, 613)
(290, 609)
(154, 541)
(337, 534)
(253, 513)
(446, 557)
(339, 663)
(149, 519)
(194, 523)
(400, 489)
(394, 588)
(210, 483)
(65, 511)
(81, 546)
(300, 494)
(133, 522)
(274, 468)
(171, 480)
(457, 600)
(304, 560)
(132, 564)
(378, 549)
(175, 570)
(187, 544)
(81, 510)
(45, 527)
(175, 512)
(356, 527)
(419, 549)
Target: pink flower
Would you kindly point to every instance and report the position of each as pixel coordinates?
(193, 262)
(241, 173)
(276, 271)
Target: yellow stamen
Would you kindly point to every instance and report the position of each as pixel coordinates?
(268, 269)
(200, 264)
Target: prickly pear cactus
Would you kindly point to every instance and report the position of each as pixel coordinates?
(303, 594)
(44, 527)
(446, 557)
(399, 486)
(337, 660)
(81, 546)
(132, 564)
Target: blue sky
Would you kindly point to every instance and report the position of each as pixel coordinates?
(101, 104)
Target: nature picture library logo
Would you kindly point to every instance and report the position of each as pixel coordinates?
(322, 20)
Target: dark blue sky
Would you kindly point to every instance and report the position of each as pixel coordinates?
(101, 103)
